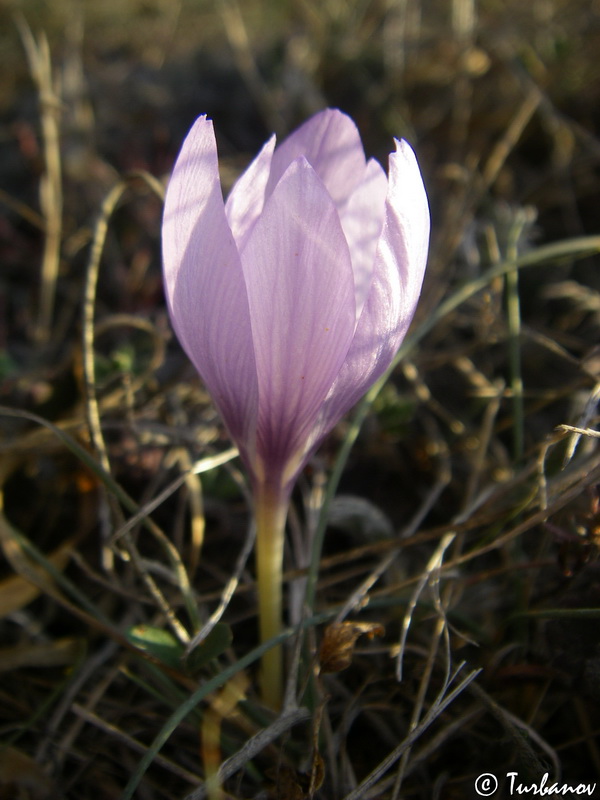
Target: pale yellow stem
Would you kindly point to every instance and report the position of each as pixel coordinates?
(271, 506)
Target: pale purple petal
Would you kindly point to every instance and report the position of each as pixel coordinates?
(294, 298)
(247, 197)
(301, 294)
(399, 269)
(407, 223)
(205, 287)
(362, 221)
(331, 144)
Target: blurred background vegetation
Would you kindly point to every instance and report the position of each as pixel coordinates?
(464, 516)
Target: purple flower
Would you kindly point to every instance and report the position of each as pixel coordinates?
(292, 297)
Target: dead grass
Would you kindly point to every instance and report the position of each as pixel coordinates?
(448, 530)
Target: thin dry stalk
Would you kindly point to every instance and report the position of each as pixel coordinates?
(509, 140)
(95, 428)
(432, 569)
(196, 506)
(138, 747)
(358, 596)
(51, 196)
(23, 210)
(428, 750)
(254, 746)
(88, 670)
(440, 631)
(228, 591)
(522, 734)
(441, 702)
(239, 40)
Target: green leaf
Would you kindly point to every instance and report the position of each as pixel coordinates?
(217, 641)
(162, 645)
(158, 643)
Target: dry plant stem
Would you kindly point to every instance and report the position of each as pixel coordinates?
(222, 706)
(271, 504)
(212, 685)
(441, 702)
(253, 746)
(574, 248)
(51, 199)
(89, 370)
(239, 40)
(440, 630)
(94, 424)
(513, 304)
(85, 715)
(228, 592)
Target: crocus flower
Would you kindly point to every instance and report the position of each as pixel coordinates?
(291, 298)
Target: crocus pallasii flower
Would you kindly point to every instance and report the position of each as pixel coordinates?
(291, 298)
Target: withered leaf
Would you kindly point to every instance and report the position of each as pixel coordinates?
(286, 784)
(339, 639)
(289, 784)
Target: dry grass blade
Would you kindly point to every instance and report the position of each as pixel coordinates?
(228, 591)
(210, 686)
(510, 138)
(58, 653)
(204, 465)
(51, 196)
(237, 35)
(36, 578)
(23, 210)
(476, 455)
(441, 702)
(582, 431)
(427, 751)
(523, 734)
(93, 417)
(254, 746)
(17, 591)
(89, 304)
(430, 572)
(87, 670)
(119, 494)
(128, 741)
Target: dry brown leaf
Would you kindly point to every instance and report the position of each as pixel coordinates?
(286, 783)
(339, 639)
(54, 654)
(17, 591)
(289, 784)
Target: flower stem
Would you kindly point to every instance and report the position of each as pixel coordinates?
(271, 505)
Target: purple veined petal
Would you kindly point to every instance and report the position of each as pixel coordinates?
(301, 293)
(205, 287)
(331, 144)
(362, 221)
(397, 278)
(407, 226)
(247, 197)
